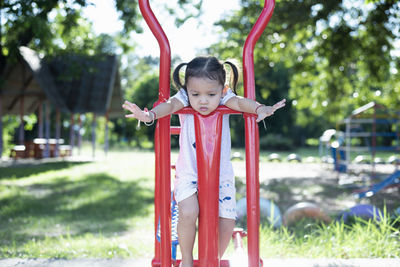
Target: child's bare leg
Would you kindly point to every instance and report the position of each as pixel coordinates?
(225, 234)
(188, 213)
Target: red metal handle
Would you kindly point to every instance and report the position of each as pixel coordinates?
(208, 151)
(165, 50)
(252, 139)
(248, 56)
(162, 143)
(221, 109)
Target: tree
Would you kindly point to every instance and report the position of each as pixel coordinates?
(140, 85)
(52, 27)
(338, 55)
(27, 22)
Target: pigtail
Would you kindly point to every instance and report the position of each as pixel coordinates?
(235, 78)
(176, 78)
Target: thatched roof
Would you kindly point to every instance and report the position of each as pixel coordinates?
(73, 83)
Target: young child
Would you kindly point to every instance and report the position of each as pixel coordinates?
(204, 90)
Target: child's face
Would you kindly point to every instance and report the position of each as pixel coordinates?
(204, 94)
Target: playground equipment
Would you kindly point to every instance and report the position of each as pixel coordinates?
(364, 211)
(268, 211)
(239, 259)
(368, 129)
(397, 212)
(274, 157)
(310, 159)
(375, 188)
(237, 156)
(394, 160)
(325, 142)
(208, 138)
(293, 157)
(304, 210)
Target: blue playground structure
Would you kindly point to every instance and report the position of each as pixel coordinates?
(369, 129)
(174, 227)
(372, 190)
(356, 140)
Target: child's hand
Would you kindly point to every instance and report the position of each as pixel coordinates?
(142, 115)
(266, 111)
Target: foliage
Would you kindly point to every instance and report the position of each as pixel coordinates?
(27, 23)
(326, 57)
(334, 55)
(347, 60)
(140, 85)
(10, 126)
(271, 80)
(276, 141)
(57, 27)
(100, 126)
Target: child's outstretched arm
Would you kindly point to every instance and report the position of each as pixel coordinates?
(250, 106)
(163, 109)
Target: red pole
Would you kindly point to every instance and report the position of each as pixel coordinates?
(253, 190)
(252, 138)
(157, 202)
(248, 55)
(208, 151)
(162, 140)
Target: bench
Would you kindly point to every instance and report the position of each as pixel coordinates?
(18, 152)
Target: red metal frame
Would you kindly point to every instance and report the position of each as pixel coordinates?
(252, 138)
(208, 149)
(162, 143)
(208, 156)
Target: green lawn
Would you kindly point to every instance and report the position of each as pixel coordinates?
(67, 210)
(105, 209)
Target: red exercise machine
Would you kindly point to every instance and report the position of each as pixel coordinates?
(208, 142)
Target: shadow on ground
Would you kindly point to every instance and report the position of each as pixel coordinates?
(19, 170)
(96, 203)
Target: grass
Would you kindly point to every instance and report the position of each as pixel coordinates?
(362, 239)
(68, 210)
(104, 209)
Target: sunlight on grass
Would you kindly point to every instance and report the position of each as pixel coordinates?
(105, 209)
(362, 239)
(68, 210)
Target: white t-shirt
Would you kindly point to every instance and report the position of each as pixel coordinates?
(186, 165)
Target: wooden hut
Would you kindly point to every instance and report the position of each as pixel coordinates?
(88, 84)
(72, 84)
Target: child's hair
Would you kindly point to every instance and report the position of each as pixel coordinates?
(205, 67)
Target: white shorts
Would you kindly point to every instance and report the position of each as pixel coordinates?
(184, 188)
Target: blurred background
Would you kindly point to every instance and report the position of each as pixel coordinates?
(327, 58)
